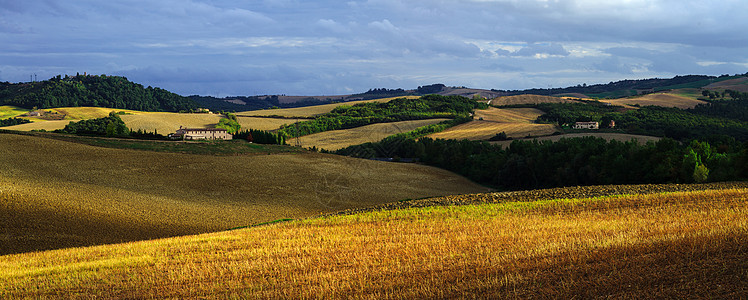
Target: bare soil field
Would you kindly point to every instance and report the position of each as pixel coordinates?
(528, 99)
(515, 122)
(656, 99)
(308, 111)
(56, 194)
(337, 139)
(737, 84)
(622, 137)
(662, 244)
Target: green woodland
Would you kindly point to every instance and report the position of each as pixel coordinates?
(92, 90)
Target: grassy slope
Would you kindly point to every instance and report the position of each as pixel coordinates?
(515, 122)
(7, 111)
(59, 194)
(675, 245)
(528, 99)
(337, 139)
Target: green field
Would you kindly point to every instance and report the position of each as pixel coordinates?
(7, 111)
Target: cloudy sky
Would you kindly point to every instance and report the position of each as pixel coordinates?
(294, 47)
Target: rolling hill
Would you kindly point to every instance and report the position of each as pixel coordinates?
(655, 245)
(59, 194)
(515, 122)
(337, 139)
(657, 99)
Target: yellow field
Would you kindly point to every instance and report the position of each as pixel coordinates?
(337, 139)
(528, 99)
(621, 137)
(657, 99)
(674, 245)
(310, 111)
(57, 194)
(85, 113)
(39, 125)
(165, 122)
(515, 122)
(263, 123)
(7, 111)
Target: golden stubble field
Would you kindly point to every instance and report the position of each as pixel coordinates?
(667, 245)
(529, 99)
(337, 139)
(656, 99)
(515, 122)
(57, 194)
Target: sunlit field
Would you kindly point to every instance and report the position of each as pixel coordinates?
(310, 111)
(56, 194)
(672, 245)
(657, 99)
(515, 122)
(337, 139)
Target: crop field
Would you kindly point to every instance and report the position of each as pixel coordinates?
(621, 137)
(657, 99)
(7, 111)
(528, 99)
(737, 84)
(309, 111)
(40, 125)
(337, 139)
(56, 194)
(515, 122)
(661, 245)
(85, 113)
(263, 123)
(165, 122)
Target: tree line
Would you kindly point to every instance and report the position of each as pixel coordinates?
(13, 121)
(97, 91)
(568, 162)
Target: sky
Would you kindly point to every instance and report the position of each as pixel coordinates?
(228, 48)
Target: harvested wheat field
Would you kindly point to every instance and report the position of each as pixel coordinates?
(85, 113)
(515, 122)
(657, 99)
(662, 245)
(528, 99)
(338, 139)
(621, 137)
(263, 123)
(310, 111)
(40, 125)
(165, 122)
(56, 194)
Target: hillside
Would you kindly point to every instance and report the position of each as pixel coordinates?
(60, 194)
(515, 122)
(657, 99)
(337, 139)
(92, 90)
(528, 99)
(660, 245)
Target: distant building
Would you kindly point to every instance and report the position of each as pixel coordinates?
(201, 134)
(612, 124)
(586, 125)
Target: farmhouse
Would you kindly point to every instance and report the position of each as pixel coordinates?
(201, 134)
(586, 125)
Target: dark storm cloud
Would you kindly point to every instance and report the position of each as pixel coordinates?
(327, 47)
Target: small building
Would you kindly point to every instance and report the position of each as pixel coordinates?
(201, 134)
(586, 125)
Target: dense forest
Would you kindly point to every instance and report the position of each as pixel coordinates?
(568, 162)
(91, 90)
(402, 109)
(111, 126)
